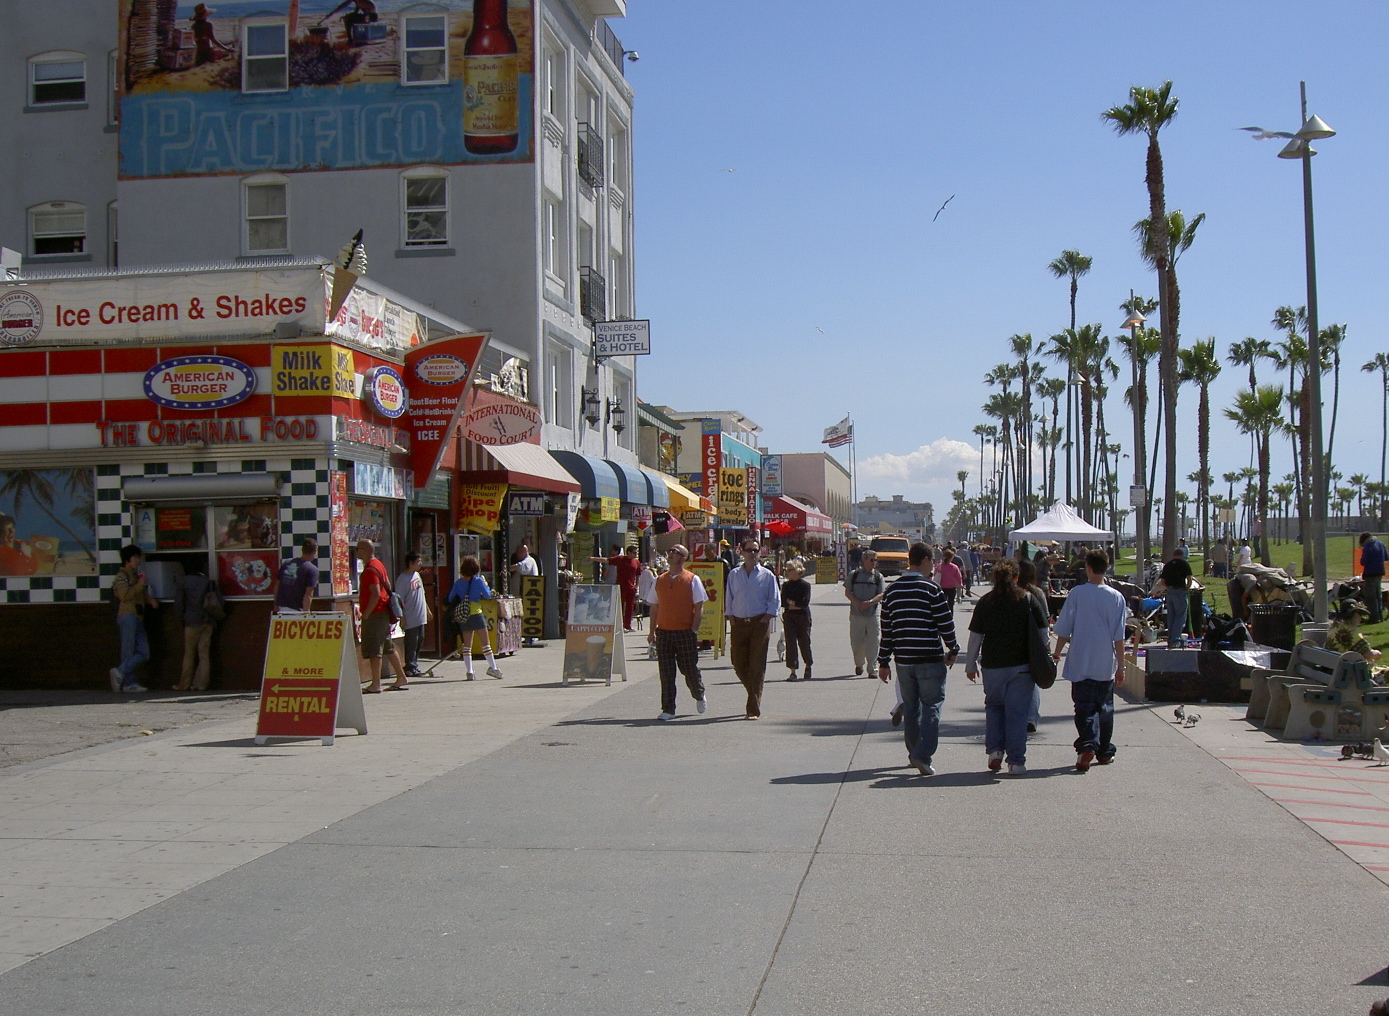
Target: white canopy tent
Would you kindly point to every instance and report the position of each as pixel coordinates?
(1060, 522)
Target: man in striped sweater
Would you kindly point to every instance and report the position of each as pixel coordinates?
(918, 628)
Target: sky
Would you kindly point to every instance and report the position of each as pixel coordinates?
(791, 155)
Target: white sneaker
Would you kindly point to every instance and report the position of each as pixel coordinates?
(995, 760)
(702, 704)
(924, 768)
(666, 716)
(494, 672)
(134, 689)
(1016, 770)
(117, 679)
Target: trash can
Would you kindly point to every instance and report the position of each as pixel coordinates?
(1274, 624)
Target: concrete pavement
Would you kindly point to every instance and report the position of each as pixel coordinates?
(516, 847)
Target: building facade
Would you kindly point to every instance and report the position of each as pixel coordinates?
(874, 515)
(820, 480)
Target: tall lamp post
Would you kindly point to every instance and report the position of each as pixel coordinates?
(1299, 147)
(1140, 543)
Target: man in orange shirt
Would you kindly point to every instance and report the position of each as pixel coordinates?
(679, 603)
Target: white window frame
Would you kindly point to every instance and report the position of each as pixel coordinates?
(405, 51)
(554, 241)
(56, 208)
(423, 173)
(247, 59)
(113, 88)
(553, 69)
(57, 56)
(561, 407)
(247, 185)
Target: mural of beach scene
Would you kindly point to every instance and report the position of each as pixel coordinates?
(47, 522)
(325, 78)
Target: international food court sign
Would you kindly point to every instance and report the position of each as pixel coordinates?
(621, 338)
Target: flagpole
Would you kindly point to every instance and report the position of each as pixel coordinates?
(853, 470)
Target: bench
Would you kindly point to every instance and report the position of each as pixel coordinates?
(1322, 694)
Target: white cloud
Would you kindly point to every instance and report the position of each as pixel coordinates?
(931, 465)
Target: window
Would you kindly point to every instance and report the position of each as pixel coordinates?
(553, 240)
(267, 215)
(622, 393)
(425, 198)
(113, 254)
(553, 83)
(57, 77)
(559, 386)
(426, 46)
(113, 88)
(57, 227)
(265, 63)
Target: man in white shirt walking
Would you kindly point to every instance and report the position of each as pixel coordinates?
(1092, 621)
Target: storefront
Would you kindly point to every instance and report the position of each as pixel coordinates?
(214, 418)
(803, 526)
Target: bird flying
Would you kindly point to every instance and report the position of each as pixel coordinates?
(1265, 135)
(942, 207)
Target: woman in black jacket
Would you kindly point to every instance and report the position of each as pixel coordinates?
(998, 640)
(795, 614)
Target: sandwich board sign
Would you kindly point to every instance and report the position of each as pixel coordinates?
(593, 644)
(309, 687)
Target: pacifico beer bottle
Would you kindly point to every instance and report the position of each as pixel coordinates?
(490, 72)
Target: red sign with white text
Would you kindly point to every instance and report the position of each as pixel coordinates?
(437, 375)
(711, 463)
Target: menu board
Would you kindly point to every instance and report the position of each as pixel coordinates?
(180, 529)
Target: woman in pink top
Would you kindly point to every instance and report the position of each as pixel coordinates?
(951, 578)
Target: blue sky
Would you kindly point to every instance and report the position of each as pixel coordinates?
(849, 122)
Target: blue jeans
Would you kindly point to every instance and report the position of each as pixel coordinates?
(1176, 618)
(135, 645)
(1007, 704)
(923, 691)
(1094, 702)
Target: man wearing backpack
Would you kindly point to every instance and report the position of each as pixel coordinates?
(199, 602)
(131, 592)
(864, 590)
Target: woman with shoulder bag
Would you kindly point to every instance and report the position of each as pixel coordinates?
(1000, 631)
(466, 596)
(1030, 580)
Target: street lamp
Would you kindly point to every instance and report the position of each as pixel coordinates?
(1299, 147)
(1140, 530)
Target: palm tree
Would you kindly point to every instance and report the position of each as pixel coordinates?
(962, 476)
(1259, 413)
(1071, 264)
(1052, 388)
(981, 431)
(1331, 338)
(1148, 111)
(1200, 366)
(1380, 363)
(1247, 353)
(1284, 493)
(1024, 350)
(1141, 345)
(1293, 354)
(1358, 481)
(37, 485)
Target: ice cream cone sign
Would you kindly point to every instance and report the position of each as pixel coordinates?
(349, 266)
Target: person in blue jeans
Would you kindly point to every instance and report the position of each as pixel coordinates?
(132, 596)
(1000, 639)
(1092, 622)
(1372, 556)
(918, 628)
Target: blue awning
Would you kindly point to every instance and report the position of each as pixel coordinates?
(635, 488)
(596, 478)
(660, 493)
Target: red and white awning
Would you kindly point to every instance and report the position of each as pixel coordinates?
(799, 516)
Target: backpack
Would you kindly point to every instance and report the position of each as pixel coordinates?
(213, 605)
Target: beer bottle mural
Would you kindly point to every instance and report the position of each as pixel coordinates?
(490, 82)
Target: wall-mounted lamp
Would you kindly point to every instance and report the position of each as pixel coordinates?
(617, 416)
(589, 406)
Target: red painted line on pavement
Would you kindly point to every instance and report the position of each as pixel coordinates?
(1310, 776)
(1357, 843)
(1375, 867)
(1327, 804)
(1339, 762)
(1349, 821)
(1315, 790)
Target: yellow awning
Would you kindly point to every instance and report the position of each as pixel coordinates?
(681, 497)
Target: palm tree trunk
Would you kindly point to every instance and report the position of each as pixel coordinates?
(1263, 500)
(1203, 440)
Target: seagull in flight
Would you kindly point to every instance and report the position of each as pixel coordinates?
(819, 329)
(942, 208)
(1260, 134)
(728, 171)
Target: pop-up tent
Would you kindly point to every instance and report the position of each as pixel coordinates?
(1060, 522)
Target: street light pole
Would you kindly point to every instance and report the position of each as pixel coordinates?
(1313, 128)
(1140, 543)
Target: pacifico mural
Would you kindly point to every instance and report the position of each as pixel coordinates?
(283, 85)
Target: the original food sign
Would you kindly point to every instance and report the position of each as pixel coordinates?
(199, 382)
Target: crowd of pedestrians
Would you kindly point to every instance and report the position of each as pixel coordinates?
(909, 624)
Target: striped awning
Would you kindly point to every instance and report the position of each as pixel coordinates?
(522, 465)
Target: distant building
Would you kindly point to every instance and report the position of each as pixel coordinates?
(821, 480)
(873, 514)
